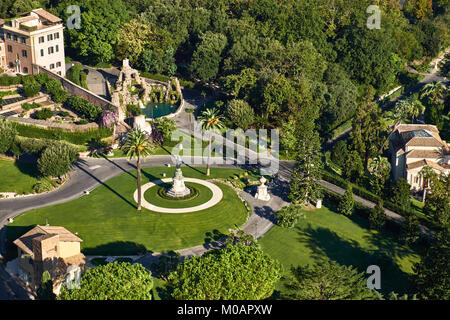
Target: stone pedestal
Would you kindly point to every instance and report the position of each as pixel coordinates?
(139, 122)
(178, 188)
(319, 204)
(262, 193)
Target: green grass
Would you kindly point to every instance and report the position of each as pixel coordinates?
(109, 224)
(324, 234)
(151, 195)
(17, 176)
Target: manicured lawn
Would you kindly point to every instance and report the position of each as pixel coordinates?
(17, 176)
(324, 234)
(204, 195)
(109, 224)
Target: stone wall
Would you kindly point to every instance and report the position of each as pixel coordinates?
(74, 89)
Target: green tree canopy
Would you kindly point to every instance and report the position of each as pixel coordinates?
(237, 272)
(113, 281)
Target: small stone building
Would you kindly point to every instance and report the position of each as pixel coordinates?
(49, 248)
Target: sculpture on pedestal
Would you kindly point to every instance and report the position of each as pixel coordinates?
(178, 188)
(262, 193)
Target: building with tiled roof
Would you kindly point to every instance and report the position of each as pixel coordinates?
(49, 248)
(34, 38)
(415, 146)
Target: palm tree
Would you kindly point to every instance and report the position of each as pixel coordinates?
(416, 109)
(138, 145)
(398, 114)
(434, 91)
(210, 121)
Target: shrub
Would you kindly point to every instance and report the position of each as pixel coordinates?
(31, 89)
(43, 185)
(44, 114)
(377, 216)
(54, 88)
(7, 135)
(347, 202)
(8, 80)
(288, 216)
(56, 159)
(240, 113)
(84, 108)
(28, 106)
(133, 110)
(41, 78)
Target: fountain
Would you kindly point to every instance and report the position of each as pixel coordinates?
(178, 188)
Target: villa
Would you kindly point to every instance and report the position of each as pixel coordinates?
(35, 37)
(2, 54)
(413, 147)
(52, 249)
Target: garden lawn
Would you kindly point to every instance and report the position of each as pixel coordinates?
(324, 234)
(17, 176)
(109, 224)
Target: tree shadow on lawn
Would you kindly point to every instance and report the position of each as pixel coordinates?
(27, 168)
(325, 243)
(116, 248)
(106, 186)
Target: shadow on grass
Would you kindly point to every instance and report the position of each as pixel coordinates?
(325, 243)
(105, 185)
(28, 168)
(116, 248)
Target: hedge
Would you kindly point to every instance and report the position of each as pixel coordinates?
(79, 137)
(84, 108)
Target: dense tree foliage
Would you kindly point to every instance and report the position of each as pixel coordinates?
(238, 272)
(432, 273)
(7, 135)
(329, 281)
(56, 159)
(113, 281)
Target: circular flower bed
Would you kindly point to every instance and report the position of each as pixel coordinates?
(162, 192)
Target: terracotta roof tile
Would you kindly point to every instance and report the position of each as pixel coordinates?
(25, 242)
(423, 163)
(428, 154)
(47, 15)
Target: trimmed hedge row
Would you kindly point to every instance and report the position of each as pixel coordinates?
(79, 137)
(364, 193)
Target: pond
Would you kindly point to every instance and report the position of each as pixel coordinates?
(157, 110)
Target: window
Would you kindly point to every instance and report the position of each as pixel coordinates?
(50, 37)
(57, 35)
(24, 53)
(8, 36)
(52, 66)
(15, 38)
(58, 64)
(42, 52)
(9, 48)
(59, 72)
(50, 50)
(41, 40)
(57, 48)
(25, 70)
(23, 40)
(11, 65)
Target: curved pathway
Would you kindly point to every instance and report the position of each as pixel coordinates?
(215, 199)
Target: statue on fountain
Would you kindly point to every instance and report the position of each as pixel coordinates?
(178, 188)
